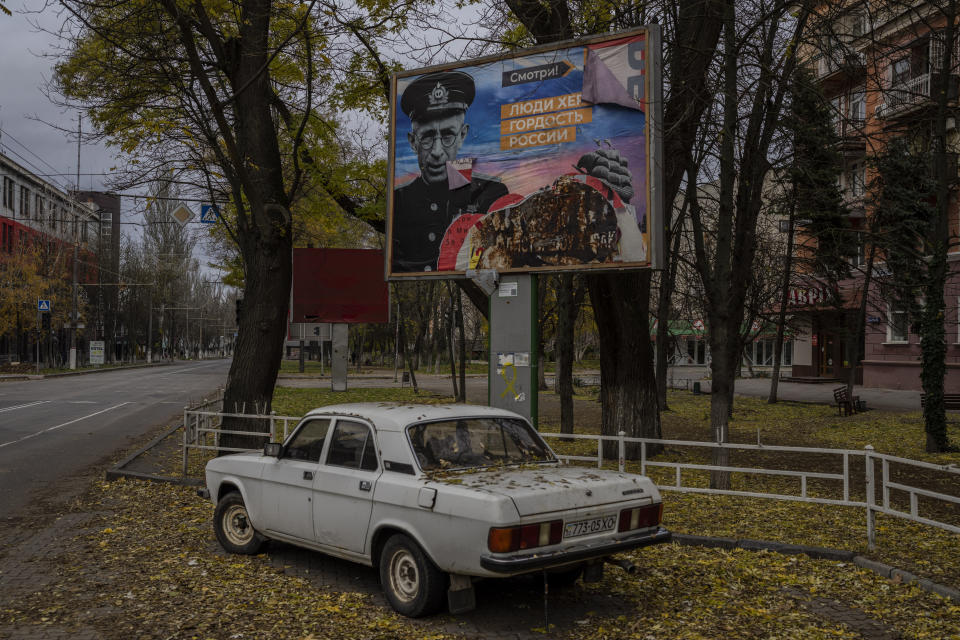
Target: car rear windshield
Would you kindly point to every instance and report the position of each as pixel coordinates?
(476, 442)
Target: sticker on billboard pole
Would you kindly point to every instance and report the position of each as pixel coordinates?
(540, 160)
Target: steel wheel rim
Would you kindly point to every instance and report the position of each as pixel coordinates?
(404, 576)
(236, 525)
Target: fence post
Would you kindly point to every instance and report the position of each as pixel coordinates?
(871, 499)
(273, 426)
(643, 458)
(622, 450)
(599, 452)
(186, 427)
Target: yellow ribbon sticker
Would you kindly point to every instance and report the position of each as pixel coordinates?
(510, 389)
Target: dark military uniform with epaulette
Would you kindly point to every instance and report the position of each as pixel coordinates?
(422, 212)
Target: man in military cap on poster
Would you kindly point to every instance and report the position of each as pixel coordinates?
(424, 207)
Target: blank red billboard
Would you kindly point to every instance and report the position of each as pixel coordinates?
(339, 285)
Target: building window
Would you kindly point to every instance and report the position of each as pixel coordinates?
(858, 107)
(39, 212)
(860, 257)
(900, 72)
(696, 351)
(83, 236)
(24, 203)
(8, 193)
(836, 114)
(898, 324)
(859, 24)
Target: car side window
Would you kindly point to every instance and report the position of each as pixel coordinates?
(352, 446)
(307, 442)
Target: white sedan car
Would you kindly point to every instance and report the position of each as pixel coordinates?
(434, 496)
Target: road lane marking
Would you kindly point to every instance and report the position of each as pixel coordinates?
(186, 369)
(23, 406)
(54, 428)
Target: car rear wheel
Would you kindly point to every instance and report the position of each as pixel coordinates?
(413, 586)
(233, 528)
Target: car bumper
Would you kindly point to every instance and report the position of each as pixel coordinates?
(534, 561)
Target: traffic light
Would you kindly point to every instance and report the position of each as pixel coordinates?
(45, 321)
(239, 308)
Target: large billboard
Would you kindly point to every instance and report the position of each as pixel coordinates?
(544, 160)
(338, 285)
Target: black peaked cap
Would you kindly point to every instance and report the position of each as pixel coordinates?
(437, 94)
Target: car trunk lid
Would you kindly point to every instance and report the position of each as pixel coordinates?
(546, 489)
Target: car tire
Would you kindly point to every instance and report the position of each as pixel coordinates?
(413, 585)
(562, 578)
(233, 528)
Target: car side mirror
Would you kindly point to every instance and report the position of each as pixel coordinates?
(272, 449)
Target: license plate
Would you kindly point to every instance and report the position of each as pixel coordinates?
(586, 527)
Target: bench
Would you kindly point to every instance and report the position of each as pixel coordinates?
(847, 406)
(950, 401)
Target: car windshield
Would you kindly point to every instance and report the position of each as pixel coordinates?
(476, 442)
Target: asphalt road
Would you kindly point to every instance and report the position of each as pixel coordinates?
(53, 428)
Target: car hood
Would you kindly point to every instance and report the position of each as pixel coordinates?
(545, 489)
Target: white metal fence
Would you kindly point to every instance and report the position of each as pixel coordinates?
(845, 479)
(202, 433)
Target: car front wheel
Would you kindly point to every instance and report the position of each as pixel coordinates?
(413, 586)
(235, 532)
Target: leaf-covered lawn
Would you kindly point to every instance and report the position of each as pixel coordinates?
(146, 563)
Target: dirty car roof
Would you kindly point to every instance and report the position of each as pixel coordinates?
(394, 416)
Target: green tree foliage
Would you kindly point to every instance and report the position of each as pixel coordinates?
(915, 247)
(905, 216)
(813, 178)
(239, 99)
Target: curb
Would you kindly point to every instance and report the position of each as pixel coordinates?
(104, 370)
(117, 471)
(820, 553)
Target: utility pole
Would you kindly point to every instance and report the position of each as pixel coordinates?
(73, 311)
(396, 346)
(150, 327)
(76, 257)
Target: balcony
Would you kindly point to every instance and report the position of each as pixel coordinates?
(840, 61)
(906, 97)
(851, 137)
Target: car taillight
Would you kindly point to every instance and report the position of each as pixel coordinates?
(527, 536)
(640, 517)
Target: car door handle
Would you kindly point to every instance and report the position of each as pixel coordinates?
(364, 485)
(308, 475)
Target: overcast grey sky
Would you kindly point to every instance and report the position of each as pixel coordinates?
(25, 109)
(31, 124)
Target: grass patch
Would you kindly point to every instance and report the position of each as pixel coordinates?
(297, 402)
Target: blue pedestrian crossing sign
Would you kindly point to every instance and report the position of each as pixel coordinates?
(209, 213)
(43, 305)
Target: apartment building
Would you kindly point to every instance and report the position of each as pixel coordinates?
(878, 64)
(33, 210)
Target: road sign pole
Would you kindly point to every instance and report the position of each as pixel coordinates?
(38, 339)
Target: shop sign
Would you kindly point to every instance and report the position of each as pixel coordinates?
(805, 297)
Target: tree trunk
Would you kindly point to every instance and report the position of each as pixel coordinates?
(722, 371)
(668, 278)
(450, 335)
(566, 317)
(407, 361)
(933, 345)
(462, 348)
(782, 315)
(628, 390)
(260, 335)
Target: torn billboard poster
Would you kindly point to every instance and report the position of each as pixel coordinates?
(543, 160)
